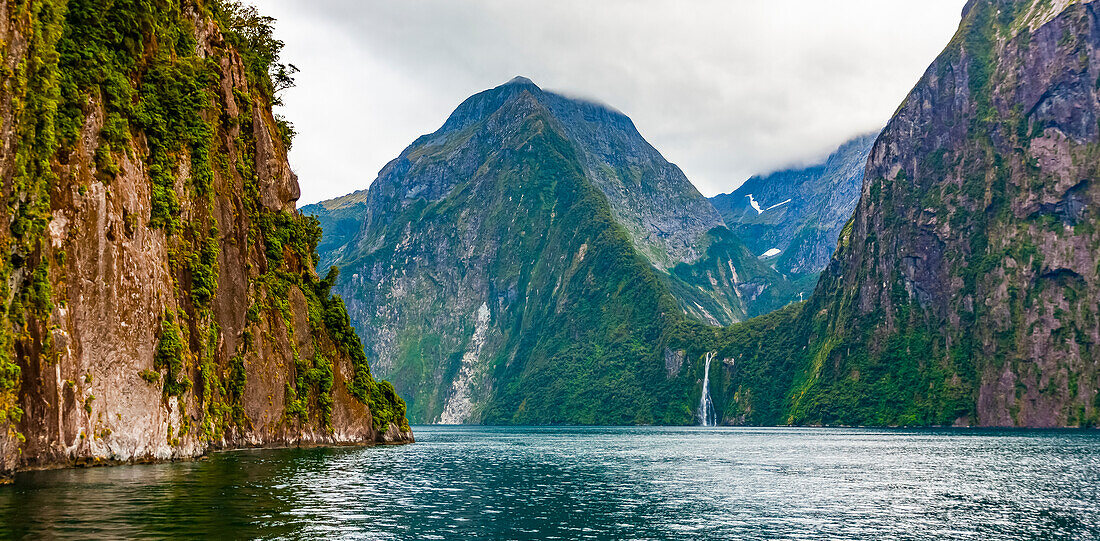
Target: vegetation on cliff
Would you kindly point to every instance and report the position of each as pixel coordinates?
(148, 88)
(964, 289)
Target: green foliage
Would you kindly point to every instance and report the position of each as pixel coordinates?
(286, 131)
(253, 35)
(691, 282)
(766, 357)
(105, 44)
(150, 376)
(313, 375)
(858, 354)
(38, 295)
(386, 406)
(172, 97)
(980, 48)
(289, 241)
(34, 93)
(586, 344)
(297, 233)
(238, 379)
(169, 358)
(204, 270)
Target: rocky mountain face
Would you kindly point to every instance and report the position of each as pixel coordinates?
(964, 289)
(516, 264)
(159, 293)
(796, 215)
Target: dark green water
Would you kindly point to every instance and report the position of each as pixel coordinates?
(594, 483)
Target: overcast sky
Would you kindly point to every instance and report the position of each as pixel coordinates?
(724, 89)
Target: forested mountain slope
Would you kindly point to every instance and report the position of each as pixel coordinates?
(526, 253)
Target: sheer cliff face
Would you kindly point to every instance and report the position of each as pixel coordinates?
(980, 211)
(160, 293)
(965, 288)
(801, 211)
(527, 237)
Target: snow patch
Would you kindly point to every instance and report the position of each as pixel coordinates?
(769, 253)
(760, 210)
(754, 204)
(778, 204)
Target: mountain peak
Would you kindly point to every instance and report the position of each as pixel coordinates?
(619, 161)
(521, 80)
(530, 207)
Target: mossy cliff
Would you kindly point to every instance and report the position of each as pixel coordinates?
(964, 290)
(159, 297)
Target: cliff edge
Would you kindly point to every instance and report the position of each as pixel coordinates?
(159, 293)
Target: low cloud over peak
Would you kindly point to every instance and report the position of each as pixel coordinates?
(723, 89)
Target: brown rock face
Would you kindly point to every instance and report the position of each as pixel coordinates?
(136, 329)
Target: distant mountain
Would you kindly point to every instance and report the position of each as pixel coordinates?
(794, 217)
(517, 264)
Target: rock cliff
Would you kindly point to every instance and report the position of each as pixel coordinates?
(964, 289)
(159, 293)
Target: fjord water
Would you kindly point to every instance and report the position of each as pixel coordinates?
(594, 483)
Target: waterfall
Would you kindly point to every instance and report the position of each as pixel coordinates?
(706, 407)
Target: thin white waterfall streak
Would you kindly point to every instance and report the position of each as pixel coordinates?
(706, 406)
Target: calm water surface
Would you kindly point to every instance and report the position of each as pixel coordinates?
(594, 483)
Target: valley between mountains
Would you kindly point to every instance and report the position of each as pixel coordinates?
(521, 265)
(533, 261)
(536, 261)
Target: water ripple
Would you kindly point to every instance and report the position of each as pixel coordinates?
(595, 483)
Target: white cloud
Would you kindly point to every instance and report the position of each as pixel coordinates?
(725, 89)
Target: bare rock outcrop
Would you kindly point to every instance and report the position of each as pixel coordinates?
(161, 299)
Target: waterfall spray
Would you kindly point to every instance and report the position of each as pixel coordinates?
(707, 416)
